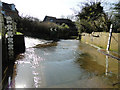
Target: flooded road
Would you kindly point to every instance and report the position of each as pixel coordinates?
(70, 64)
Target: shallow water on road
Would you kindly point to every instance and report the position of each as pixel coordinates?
(70, 64)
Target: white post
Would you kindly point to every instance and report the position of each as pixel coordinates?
(9, 82)
(9, 28)
(109, 39)
(107, 64)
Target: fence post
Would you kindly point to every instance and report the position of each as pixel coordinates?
(109, 39)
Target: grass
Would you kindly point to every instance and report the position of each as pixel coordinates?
(18, 33)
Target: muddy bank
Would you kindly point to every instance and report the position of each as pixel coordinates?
(48, 44)
(101, 65)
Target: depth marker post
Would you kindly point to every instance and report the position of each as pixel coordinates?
(109, 39)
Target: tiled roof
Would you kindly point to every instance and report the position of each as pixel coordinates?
(9, 9)
(6, 6)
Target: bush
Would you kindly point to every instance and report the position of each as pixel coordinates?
(33, 27)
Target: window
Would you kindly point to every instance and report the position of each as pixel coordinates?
(13, 7)
(51, 20)
(0, 4)
(3, 12)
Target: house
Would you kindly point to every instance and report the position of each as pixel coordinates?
(8, 10)
(60, 21)
(49, 19)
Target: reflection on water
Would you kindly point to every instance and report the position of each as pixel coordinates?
(70, 64)
(26, 70)
(9, 82)
(107, 64)
(96, 62)
(30, 42)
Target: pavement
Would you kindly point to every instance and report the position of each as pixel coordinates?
(112, 54)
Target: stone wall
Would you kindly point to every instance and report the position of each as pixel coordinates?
(101, 39)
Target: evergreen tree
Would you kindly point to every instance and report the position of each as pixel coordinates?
(92, 18)
(117, 17)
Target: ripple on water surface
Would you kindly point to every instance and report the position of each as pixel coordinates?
(69, 64)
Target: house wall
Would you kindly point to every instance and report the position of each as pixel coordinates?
(0, 22)
(57, 21)
(9, 10)
(13, 14)
(101, 39)
(50, 19)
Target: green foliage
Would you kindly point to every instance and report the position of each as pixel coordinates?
(116, 18)
(66, 26)
(92, 18)
(18, 33)
(84, 26)
(33, 27)
(91, 12)
(63, 26)
(117, 7)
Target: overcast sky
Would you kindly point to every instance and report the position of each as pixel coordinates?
(41, 8)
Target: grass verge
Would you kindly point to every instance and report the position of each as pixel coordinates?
(18, 33)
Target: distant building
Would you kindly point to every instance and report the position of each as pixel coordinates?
(49, 19)
(60, 21)
(8, 10)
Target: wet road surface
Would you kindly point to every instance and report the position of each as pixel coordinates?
(70, 64)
